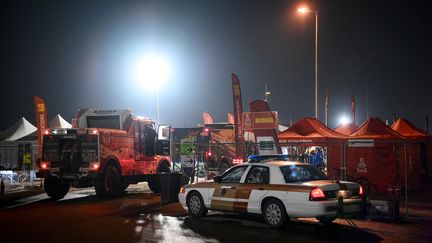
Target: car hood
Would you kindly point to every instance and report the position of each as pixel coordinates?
(203, 184)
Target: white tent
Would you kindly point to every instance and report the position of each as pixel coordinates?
(20, 129)
(59, 122)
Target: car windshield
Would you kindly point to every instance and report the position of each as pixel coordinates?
(296, 173)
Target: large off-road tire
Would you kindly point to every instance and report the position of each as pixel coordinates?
(56, 188)
(326, 220)
(195, 204)
(154, 183)
(274, 213)
(110, 184)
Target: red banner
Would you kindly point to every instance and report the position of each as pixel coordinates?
(238, 110)
(41, 120)
(208, 119)
(352, 109)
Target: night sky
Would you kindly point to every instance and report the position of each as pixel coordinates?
(79, 54)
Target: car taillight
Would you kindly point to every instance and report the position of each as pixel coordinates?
(45, 165)
(182, 190)
(316, 194)
(361, 192)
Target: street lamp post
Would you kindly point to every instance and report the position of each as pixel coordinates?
(304, 10)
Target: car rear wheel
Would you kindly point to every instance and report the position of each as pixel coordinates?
(195, 205)
(274, 213)
(326, 220)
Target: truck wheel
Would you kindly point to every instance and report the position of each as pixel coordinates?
(154, 183)
(56, 188)
(110, 184)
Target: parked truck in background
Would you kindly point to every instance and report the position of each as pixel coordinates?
(107, 149)
(211, 145)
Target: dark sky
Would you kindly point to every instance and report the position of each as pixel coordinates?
(79, 54)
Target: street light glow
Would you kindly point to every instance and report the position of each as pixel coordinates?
(303, 10)
(151, 72)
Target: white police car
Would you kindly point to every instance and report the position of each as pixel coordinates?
(278, 190)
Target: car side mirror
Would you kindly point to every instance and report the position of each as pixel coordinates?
(217, 179)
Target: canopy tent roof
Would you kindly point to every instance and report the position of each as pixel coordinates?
(347, 128)
(311, 129)
(59, 122)
(409, 130)
(374, 128)
(20, 129)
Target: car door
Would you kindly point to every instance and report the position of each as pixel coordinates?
(224, 195)
(251, 191)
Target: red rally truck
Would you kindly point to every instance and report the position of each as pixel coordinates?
(107, 149)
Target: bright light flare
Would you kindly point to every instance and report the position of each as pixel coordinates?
(151, 72)
(303, 10)
(344, 120)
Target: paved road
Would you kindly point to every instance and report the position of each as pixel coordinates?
(139, 217)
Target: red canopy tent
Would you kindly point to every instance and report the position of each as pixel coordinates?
(311, 132)
(347, 128)
(419, 150)
(375, 151)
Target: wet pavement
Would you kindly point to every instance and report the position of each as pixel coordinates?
(138, 216)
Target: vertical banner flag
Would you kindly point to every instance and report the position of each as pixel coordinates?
(230, 118)
(208, 119)
(238, 110)
(352, 109)
(41, 120)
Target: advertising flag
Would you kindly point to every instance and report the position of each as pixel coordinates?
(41, 120)
(208, 119)
(352, 109)
(238, 110)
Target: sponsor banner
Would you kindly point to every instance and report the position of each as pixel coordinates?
(208, 119)
(238, 110)
(41, 120)
(260, 120)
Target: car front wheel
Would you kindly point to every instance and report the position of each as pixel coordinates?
(195, 205)
(274, 213)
